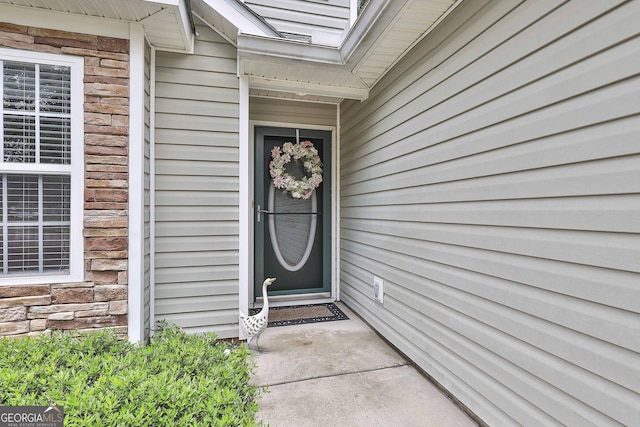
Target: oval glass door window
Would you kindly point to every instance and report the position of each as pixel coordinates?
(292, 228)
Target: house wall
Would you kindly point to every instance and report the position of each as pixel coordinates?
(307, 17)
(101, 299)
(492, 179)
(197, 187)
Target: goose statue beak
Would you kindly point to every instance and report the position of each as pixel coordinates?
(270, 280)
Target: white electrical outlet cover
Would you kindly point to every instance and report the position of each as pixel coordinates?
(378, 288)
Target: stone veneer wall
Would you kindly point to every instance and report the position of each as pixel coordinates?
(101, 300)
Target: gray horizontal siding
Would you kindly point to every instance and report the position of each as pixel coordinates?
(304, 16)
(275, 110)
(493, 180)
(196, 188)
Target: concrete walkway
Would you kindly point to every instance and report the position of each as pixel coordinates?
(342, 374)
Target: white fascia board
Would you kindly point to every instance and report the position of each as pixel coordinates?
(34, 17)
(287, 49)
(186, 29)
(310, 88)
(370, 25)
(242, 18)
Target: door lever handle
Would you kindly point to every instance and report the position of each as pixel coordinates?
(261, 211)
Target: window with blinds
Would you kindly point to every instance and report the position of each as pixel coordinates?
(36, 167)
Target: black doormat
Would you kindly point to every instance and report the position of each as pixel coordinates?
(301, 314)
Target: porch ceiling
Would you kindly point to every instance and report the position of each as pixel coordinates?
(385, 31)
(167, 23)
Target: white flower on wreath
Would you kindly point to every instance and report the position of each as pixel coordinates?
(308, 154)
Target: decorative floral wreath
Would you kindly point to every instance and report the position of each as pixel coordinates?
(305, 151)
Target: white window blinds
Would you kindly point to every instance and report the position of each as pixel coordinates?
(36, 201)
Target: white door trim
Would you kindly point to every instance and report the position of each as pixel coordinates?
(246, 288)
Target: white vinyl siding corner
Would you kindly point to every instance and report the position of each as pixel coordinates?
(492, 180)
(197, 187)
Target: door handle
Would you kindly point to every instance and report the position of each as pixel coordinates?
(261, 211)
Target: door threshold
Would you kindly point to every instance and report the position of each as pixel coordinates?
(302, 299)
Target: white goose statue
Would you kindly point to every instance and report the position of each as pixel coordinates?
(254, 325)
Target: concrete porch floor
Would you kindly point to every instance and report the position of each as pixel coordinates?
(342, 374)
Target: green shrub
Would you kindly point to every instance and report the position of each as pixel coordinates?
(176, 380)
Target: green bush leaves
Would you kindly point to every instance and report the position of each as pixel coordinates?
(99, 380)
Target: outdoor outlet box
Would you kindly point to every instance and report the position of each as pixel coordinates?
(378, 288)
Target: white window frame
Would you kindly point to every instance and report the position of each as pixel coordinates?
(75, 170)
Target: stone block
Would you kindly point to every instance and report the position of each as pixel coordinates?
(64, 43)
(38, 324)
(102, 277)
(106, 175)
(88, 322)
(65, 315)
(123, 277)
(111, 293)
(23, 291)
(45, 311)
(105, 222)
(90, 62)
(107, 195)
(113, 45)
(105, 243)
(13, 328)
(107, 140)
(73, 295)
(106, 160)
(105, 150)
(105, 232)
(8, 37)
(12, 314)
(113, 255)
(106, 90)
(105, 108)
(97, 119)
(109, 72)
(122, 121)
(93, 313)
(30, 334)
(105, 205)
(118, 307)
(25, 301)
(13, 28)
(72, 285)
(59, 34)
(108, 130)
(107, 183)
(112, 63)
(108, 265)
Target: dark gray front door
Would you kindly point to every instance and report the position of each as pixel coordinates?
(292, 235)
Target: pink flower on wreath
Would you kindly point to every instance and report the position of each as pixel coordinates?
(307, 144)
(278, 182)
(275, 152)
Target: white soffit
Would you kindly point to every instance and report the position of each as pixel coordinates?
(166, 22)
(382, 35)
(409, 26)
